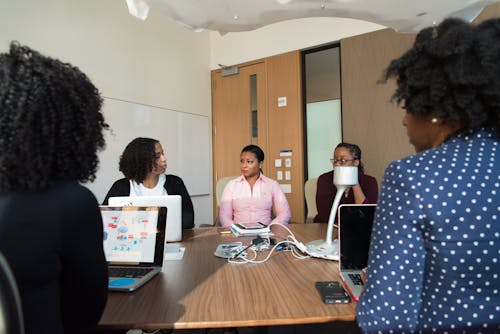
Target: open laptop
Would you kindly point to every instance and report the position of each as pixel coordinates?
(133, 244)
(355, 228)
(174, 212)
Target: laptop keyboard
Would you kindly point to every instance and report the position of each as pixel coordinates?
(128, 272)
(356, 279)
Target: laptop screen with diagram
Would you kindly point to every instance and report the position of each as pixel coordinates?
(133, 244)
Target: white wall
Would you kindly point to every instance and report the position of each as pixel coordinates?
(281, 37)
(154, 62)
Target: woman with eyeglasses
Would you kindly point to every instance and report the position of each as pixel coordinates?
(365, 192)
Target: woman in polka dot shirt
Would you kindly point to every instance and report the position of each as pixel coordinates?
(434, 260)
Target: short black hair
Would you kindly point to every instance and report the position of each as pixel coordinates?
(51, 125)
(453, 72)
(138, 158)
(255, 150)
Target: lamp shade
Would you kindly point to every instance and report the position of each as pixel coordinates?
(345, 175)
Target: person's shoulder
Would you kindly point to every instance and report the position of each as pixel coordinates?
(414, 163)
(368, 177)
(72, 191)
(121, 182)
(273, 184)
(233, 183)
(268, 179)
(326, 176)
(173, 182)
(173, 178)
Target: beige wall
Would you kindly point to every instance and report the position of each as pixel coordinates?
(281, 37)
(368, 118)
(155, 62)
(489, 12)
(160, 63)
(285, 126)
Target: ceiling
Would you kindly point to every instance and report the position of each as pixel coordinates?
(244, 15)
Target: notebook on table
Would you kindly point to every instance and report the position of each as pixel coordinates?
(355, 227)
(133, 244)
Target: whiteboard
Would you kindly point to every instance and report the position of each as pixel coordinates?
(185, 138)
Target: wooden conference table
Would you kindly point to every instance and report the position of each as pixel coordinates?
(204, 291)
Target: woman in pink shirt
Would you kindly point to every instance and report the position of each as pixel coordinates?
(250, 198)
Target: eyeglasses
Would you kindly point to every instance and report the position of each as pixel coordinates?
(341, 161)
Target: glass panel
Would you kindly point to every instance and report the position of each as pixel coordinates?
(324, 132)
(254, 111)
(323, 107)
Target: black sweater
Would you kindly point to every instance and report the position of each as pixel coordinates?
(174, 186)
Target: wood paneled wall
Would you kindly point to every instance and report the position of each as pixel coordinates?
(286, 125)
(369, 119)
(489, 12)
(280, 128)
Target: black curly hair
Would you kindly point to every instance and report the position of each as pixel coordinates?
(138, 158)
(50, 121)
(452, 72)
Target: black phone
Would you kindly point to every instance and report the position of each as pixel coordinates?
(332, 292)
(251, 226)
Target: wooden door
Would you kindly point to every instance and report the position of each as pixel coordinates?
(234, 99)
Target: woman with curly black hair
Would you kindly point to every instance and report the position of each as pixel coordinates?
(434, 263)
(50, 226)
(143, 164)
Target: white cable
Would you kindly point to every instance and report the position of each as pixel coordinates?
(300, 246)
(293, 243)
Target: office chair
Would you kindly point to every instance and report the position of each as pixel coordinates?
(11, 316)
(310, 193)
(219, 188)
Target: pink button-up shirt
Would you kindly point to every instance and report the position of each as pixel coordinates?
(240, 204)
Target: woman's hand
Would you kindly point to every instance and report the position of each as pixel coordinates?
(363, 275)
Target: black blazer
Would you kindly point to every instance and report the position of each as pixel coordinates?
(174, 186)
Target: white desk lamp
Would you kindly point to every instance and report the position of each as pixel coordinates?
(343, 178)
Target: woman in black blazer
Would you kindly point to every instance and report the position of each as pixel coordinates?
(144, 164)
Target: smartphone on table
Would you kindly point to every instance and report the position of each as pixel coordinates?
(251, 226)
(332, 292)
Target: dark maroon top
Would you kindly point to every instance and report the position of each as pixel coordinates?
(326, 193)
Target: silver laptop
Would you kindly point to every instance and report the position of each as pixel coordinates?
(355, 228)
(133, 244)
(174, 212)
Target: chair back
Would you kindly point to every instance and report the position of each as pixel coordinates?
(310, 193)
(219, 188)
(11, 315)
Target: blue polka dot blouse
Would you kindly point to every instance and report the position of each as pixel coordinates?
(434, 260)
